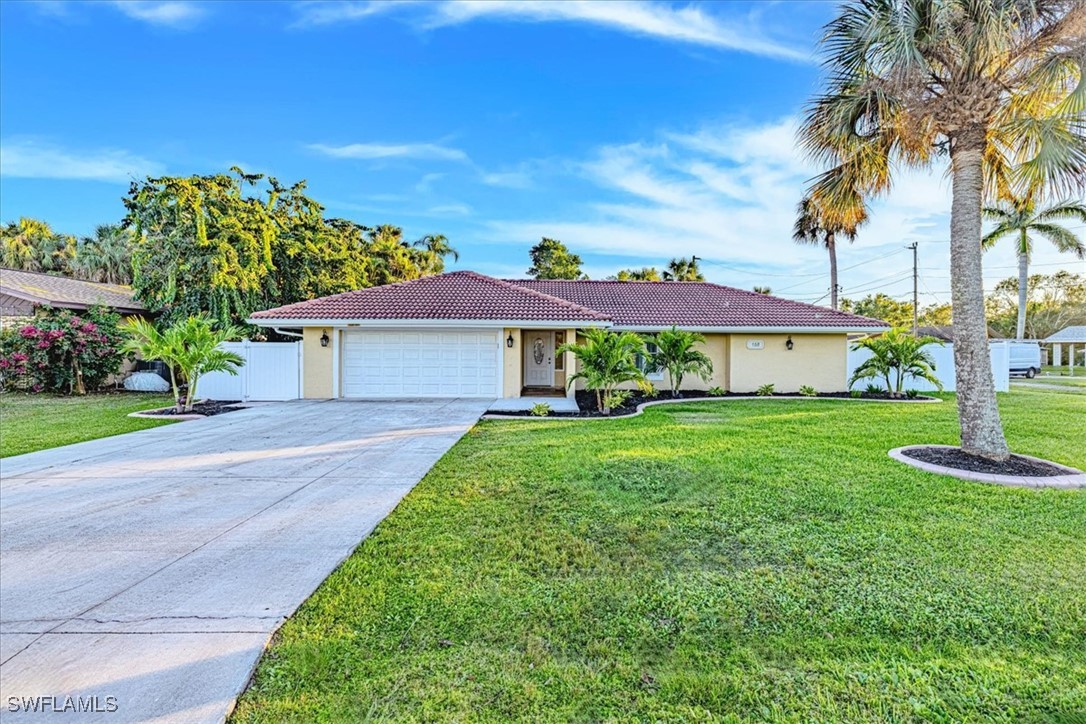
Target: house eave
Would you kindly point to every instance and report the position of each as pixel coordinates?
(780, 329)
(430, 323)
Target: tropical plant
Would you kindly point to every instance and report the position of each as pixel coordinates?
(765, 390)
(551, 259)
(106, 256)
(717, 392)
(540, 409)
(675, 353)
(616, 399)
(644, 274)
(1021, 220)
(855, 394)
(683, 270)
(821, 220)
(808, 391)
(59, 350)
(607, 359)
(190, 348)
(995, 84)
(32, 245)
(430, 253)
(873, 389)
(762, 290)
(647, 389)
(896, 356)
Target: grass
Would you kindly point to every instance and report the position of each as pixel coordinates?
(1078, 371)
(37, 422)
(1069, 382)
(740, 560)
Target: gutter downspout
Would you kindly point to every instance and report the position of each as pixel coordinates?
(279, 330)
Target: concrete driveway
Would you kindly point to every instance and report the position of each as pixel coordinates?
(146, 572)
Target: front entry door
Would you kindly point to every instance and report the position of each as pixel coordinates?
(539, 359)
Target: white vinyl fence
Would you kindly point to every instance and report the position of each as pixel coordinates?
(272, 371)
(944, 367)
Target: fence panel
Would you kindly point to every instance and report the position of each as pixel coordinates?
(944, 367)
(272, 371)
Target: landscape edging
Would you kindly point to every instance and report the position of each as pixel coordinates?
(1074, 479)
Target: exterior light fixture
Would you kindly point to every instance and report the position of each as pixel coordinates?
(509, 341)
(789, 344)
(324, 339)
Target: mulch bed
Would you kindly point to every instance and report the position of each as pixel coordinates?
(207, 409)
(952, 457)
(587, 401)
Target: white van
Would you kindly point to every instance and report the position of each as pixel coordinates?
(1025, 358)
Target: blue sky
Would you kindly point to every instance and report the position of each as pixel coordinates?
(632, 131)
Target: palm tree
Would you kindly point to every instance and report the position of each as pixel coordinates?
(762, 290)
(993, 83)
(683, 270)
(675, 353)
(607, 359)
(190, 348)
(31, 245)
(1021, 219)
(644, 274)
(431, 252)
(895, 357)
(822, 217)
(105, 257)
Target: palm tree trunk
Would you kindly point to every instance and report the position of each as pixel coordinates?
(1023, 291)
(831, 246)
(978, 414)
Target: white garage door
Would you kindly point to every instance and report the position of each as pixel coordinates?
(410, 363)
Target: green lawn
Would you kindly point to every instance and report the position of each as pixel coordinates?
(1061, 381)
(37, 422)
(1078, 371)
(753, 560)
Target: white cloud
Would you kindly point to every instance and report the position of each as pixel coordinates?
(31, 159)
(449, 210)
(377, 151)
(682, 24)
(518, 179)
(173, 13)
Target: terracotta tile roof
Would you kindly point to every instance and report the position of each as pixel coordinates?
(65, 292)
(456, 295)
(639, 305)
(650, 305)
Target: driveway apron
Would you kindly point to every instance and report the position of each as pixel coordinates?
(142, 575)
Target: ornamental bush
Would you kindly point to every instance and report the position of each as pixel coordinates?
(59, 350)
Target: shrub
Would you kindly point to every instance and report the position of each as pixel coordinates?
(872, 389)
(855, 394)
(190, 348)
(717, 392)
(540, 409)
(62, 351)
(647, 389)
(765, 390)
(607, 360)
(616, 398)
(807, 391)
(675, 353)
(896, 356)
(912, 394)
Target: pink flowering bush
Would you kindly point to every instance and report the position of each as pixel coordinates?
(61, 351)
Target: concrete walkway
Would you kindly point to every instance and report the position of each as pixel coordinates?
(153, 567)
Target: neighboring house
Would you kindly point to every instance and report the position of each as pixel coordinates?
(463, 334)
(1069, 336)
(22, 292)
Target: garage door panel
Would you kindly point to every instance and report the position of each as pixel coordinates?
(408, 363)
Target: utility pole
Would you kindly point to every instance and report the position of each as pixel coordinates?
(916, 300)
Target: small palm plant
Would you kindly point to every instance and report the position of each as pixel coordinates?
(607, 359)
(895, 357)
(190, 349)
(675, 353)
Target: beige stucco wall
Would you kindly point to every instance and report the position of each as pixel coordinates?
(716, 347)
(818, 360)
(511, 380)
(316, 364)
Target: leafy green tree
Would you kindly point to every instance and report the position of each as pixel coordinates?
(996, 84)
(676, 353)
(683, 270)
(1021, 220)
(895, 357)
(644, 274)
(1053, 302)
(552, 260)
(607, 359)
(106, 256)
(881, 306)
(190, 348)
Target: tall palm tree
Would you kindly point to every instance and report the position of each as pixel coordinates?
(1020, 219)
(993, 83)
(818, 221)
(683, 270)
(31, 245)
(432, 250)
(106, 256)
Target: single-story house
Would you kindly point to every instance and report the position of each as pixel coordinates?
(22, 292)
(463, 334)
(1070, 336)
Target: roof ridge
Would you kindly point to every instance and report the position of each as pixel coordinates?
(807, 305)
(507, 284)
(67, 278)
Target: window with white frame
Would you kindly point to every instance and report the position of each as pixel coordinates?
(644, 363)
